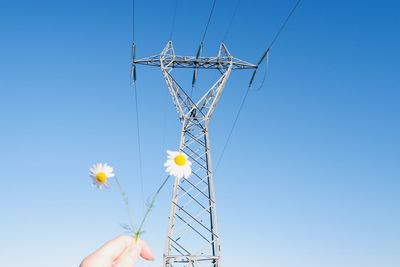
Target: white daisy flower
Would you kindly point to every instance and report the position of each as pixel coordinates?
(99, 173)
(178, 165)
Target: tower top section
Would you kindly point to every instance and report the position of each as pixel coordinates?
(168, 58)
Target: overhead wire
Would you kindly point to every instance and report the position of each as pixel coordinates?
(284, 24)
(232, 129)
(208, 21)
(173, 20)
(231, 21)
(201, 45)
(139, 143)
(165, 107)
(133, 81)
(199, 51)
(264, 56)
(265, 74)
(276, 36)
(133, 21)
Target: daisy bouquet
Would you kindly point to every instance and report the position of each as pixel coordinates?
(176, 165)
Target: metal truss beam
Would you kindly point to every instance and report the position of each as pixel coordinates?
(193, 238)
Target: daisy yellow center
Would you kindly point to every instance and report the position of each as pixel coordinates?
(180, 160)
(101, 177)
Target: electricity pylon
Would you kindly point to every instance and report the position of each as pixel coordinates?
(193, 238)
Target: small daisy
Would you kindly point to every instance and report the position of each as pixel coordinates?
(100, 173)
(178, 165)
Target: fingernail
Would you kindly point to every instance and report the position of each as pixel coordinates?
(136, 249)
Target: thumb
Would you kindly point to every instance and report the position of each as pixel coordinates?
(129, 257)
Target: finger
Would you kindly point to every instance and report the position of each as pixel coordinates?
(129, 257)
(111, 250)
(146, 253)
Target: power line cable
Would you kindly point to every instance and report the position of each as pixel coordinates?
(265, 55)
(139, 142)
(265, 74)
(208, 21)
(284, 24)
(173, 20)
(276, 36)
(133, 21)
(231, 21)
(200, 49)
(133, 80)
(232, 128)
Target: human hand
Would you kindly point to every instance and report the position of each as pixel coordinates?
(122, 251)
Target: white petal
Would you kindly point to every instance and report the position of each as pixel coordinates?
(102, 168)
(108, 167)
(173, 171)
(179, 175)
(187, 172)
(172, 153)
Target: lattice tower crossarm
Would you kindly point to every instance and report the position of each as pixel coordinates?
(193, 238)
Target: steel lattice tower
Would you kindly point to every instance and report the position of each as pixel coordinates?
(193, 238)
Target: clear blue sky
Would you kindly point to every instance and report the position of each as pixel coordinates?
(310, 179)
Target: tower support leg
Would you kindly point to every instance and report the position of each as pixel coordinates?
(193, 238)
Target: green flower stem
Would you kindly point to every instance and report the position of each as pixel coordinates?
(126, 202)
(149, 208)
